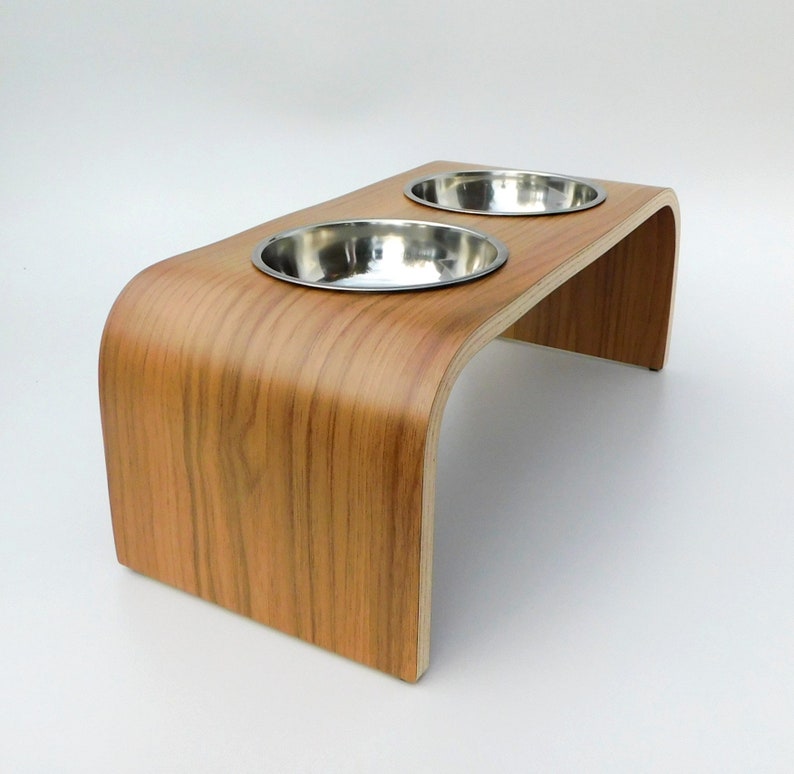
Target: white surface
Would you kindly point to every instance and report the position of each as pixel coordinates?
(618, 597)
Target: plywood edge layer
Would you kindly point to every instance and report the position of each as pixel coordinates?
(490, 330)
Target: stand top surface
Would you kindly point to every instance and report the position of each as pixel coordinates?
(538, 245)
(215, 292)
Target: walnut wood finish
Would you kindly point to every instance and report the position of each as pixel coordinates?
(272, 448)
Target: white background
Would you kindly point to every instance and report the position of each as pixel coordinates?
(614, 575)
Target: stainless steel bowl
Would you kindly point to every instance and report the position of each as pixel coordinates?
(379, 255)
(505, 192)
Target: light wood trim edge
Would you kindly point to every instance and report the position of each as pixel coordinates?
(475, 342)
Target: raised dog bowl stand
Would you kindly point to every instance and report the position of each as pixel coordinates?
(272, 447)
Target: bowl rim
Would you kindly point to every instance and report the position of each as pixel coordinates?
(600, 197)
(502, 254)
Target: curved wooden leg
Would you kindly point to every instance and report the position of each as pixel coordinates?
(286, 487)
(620, 306)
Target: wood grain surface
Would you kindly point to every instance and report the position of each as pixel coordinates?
(272, 448)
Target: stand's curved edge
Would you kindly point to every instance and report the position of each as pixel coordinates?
(651, 236)
(616, 299)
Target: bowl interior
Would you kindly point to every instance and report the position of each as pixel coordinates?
(505, 192)
(379, 255)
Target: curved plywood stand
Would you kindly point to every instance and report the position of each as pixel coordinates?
(272, 448)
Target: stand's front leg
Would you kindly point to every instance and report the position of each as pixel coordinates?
(346, 503)
(272, 465)
(618, 307)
